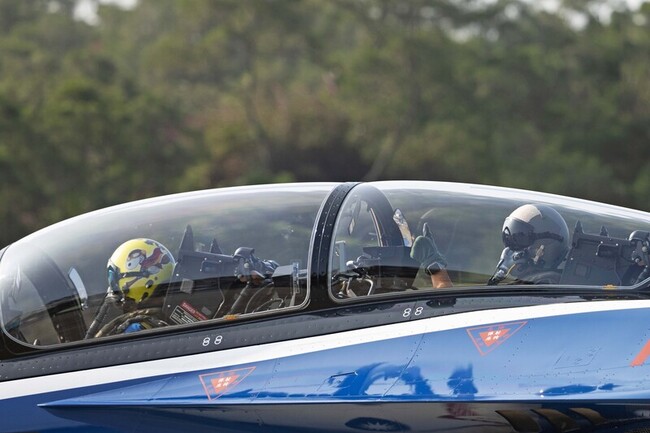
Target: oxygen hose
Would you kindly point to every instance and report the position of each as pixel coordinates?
(110, 302)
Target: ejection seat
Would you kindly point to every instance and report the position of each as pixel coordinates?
(196, 291)
(604, 260)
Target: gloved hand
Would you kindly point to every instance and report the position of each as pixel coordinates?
(425, 250)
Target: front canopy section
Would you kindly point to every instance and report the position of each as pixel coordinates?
(171, 261)
(397, 237)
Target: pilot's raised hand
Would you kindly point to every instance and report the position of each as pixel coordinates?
(425, 251)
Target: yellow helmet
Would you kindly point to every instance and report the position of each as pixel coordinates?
(138, 266)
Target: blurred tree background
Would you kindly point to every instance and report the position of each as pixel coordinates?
(174, 95)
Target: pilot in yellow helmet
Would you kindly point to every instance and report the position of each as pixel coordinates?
(138, 267)
(136, 270)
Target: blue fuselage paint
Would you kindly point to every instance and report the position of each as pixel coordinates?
(467, 374)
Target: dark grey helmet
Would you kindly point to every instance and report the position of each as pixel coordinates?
(540, 232)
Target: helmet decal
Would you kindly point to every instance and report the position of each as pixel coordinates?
(135, 258)
(526, 212)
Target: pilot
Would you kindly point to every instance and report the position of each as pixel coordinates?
(536, 240)
(138, 272)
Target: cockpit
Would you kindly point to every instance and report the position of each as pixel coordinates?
(169, 261)
(481, 236)
(237, 253)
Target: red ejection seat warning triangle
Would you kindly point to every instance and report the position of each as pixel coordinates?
(488, 338)
(217, 383)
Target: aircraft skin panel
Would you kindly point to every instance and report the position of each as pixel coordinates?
(471, 368)
(253, 354)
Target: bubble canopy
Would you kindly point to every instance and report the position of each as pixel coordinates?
(234, 253)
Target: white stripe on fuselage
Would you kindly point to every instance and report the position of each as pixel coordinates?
(282, 349)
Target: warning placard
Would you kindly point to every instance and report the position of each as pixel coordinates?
(488, 338)
(217, 383)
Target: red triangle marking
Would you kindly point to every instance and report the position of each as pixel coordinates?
(217, 383)
(642, 356)
(488, 338)
(491, 337)
(221, 383)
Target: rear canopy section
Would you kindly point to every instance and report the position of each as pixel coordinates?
(397, 236)
(232, 253)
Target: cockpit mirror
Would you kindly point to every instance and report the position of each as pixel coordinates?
(78, 283)
(340, 251)
(403, 226)
(356, 209)
(295, 281)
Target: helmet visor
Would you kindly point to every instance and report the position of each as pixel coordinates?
(517, 235)
(114, 276)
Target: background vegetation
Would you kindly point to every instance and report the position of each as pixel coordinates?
(175, 95)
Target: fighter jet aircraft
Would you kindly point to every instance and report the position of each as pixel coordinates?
(353, 307)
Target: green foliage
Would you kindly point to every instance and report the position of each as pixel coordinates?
(183, 94)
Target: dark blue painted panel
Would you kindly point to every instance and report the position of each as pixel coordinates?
(585, 359)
